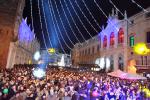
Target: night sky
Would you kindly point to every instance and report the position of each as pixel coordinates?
(61, 26)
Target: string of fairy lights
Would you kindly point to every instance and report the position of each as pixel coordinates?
(46, 24)
(85, 17)
(41, 26)
(55, 28)
(62, 23)
(69, 22)
(74, 22)
(80, 19)
(53, 13)
(64, 27)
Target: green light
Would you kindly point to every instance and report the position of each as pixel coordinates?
(132, 41)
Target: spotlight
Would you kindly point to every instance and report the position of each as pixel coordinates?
(39, 73)
(37, 55)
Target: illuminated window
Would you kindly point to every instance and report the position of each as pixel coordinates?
(131, 41)
(105, 41)
(112, 39)
(120, 36)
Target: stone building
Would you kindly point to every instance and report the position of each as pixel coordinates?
(112, 48)
(10, 19)
(22, 51)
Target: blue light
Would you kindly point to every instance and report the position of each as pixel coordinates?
(39, 73)
(37, 55)
(25, 34)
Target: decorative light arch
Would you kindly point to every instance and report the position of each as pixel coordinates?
(120, 36)
(105, 41)
(112, 38)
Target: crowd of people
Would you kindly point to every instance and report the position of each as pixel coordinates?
(19, 83)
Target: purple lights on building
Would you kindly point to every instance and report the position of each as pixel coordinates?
(25, 34)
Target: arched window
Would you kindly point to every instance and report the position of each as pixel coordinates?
(121, 35)
(112, 39)
(105, 41)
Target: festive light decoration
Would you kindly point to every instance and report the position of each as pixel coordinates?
(69, 22)
(104, 14)
(46, 24)
(31, 15)
(80, 19)
(63, 24)
(51, 13)
(74, 20)
(39, 73)
(37, 55)
(85, 16)
(139, 6)
(58, 26)
(51, 50)
(91, 14)
(25, 34)
(41, 24)
(141, 49)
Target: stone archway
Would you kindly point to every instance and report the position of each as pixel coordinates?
(111, 63)
(121, 62)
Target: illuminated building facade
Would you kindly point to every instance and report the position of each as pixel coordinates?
(22, 51)
(115, 42)
(10, 19)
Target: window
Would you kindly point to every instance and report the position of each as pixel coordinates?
(98, 47)
(131, 41)
(93, 50)
(120, 36)
(148, 37)
(105, 41)
(89, 51)
(112, 39)
(85, 52)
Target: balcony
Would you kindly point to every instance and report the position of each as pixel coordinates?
(143, 68)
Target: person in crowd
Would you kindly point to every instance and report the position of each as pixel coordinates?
(19, 83)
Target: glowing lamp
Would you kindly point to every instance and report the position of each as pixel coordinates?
(141, 49)
(37, 55)
(51, 50)
(39, 73)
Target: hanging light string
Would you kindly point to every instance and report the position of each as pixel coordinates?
(116, 8)
(74, 21)
(31, 15)
(119, 10)
(63, 23)
(80, 19)
(53, 13)
(90, 13)
(133, 1)
(105, 14)
(41, 25)
(46, 23)
(69, 22)
(85, 16)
